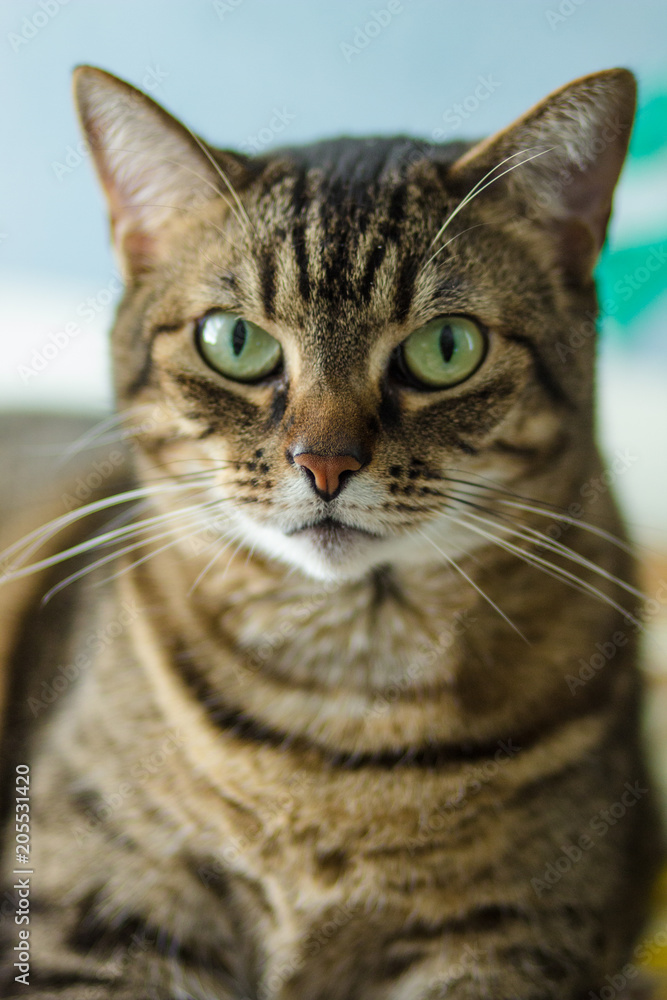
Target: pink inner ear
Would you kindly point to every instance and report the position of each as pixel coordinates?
(587, 193)
(133, 239)
(576, 248)
(138, 248)
(583, 131)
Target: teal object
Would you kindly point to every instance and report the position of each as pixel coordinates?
(632, 271)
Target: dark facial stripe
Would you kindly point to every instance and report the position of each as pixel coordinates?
(165, 328)
(542, 371)
(300, 206)
(213, 401)
(396, 211)
(390, 407)
(507, 448)
(375, 258)
(456, 441)
(300, 199)
(143, 377)
(405, 287)
(268, 281)
(301, 255)
(553, 450)
(278, 407)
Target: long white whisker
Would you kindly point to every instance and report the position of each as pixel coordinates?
(103, 560)
(250, 552)
(231, 558)
(539, 507)
(481, 186)
(477, 225)
(94, 543)
(473, 584)
(537, 537)
(571, 520)
(537, 561)
(44, 532)
(93, 435)
(241, 215)
(137, 562)
(214, 558)
(137, 527)
(221, 173)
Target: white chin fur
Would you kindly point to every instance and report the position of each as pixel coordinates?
(355, 557)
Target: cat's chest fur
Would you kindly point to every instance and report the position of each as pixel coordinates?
(300, 846)
(361, 638)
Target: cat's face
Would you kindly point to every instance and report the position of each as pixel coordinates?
(345, 368)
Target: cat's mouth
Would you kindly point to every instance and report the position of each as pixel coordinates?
(329, 533)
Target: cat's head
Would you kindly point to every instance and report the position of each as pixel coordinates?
(353, 336)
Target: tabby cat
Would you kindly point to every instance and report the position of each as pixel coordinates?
(304, 719)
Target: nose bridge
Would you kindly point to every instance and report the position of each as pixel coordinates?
(331, 436)
(331, 420)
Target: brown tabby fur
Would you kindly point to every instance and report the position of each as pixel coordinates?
(274, 786)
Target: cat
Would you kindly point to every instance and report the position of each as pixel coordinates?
(304, 719)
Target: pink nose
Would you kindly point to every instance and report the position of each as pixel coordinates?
(326, 470)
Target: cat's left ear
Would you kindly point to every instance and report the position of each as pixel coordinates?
(561, 162)
(152, 169)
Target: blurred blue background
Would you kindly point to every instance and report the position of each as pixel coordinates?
(227, 66)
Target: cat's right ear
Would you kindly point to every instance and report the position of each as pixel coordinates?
(560, 163)
(152, 169)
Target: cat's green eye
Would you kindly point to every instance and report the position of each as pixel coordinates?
(443, 353)
(237, 348)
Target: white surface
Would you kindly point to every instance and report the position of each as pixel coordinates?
(632, 421)
(76, 378)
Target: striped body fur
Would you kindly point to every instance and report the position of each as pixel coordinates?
(327, 747)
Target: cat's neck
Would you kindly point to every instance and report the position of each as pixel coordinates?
(417, 654)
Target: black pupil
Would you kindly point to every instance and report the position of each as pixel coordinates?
(447, 343)
(239, 336)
